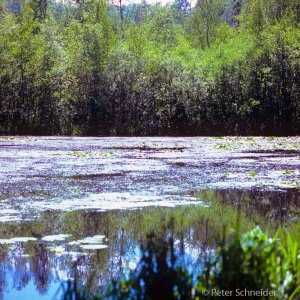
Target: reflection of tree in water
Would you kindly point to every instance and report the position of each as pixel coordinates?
(279, 206)
(124, 230)
(122, 251)
(3, 256)
(40, 268)
(195, 233)
(121, 238)
(2, 284)
(21, 276)
(102, 264)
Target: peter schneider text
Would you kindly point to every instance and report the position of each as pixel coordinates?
(242, 293)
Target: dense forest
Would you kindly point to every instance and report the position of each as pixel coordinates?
(92, 67)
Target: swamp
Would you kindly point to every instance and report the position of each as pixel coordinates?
(73, 206)
(149, 149)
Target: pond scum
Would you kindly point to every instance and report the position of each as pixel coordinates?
(251, 265)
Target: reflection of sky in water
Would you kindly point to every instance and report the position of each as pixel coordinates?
(23, 283)
(110, 201)
(29, 291)
(50, 185)
(37, 174)
(41, 273)
(56, 255)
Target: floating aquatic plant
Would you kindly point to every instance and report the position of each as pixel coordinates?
(17, 240)
(93, 247)
(97, 239)
(58, 237)
(288, 172)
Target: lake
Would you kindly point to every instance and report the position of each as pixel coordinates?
(80, 207)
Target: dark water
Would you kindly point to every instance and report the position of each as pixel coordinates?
(120, 189)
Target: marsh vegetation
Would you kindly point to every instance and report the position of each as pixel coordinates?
(80, 207)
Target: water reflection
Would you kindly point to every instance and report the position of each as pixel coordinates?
(278, 207)
(37, 267)
(45, 173)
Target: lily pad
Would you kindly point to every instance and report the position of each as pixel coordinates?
(17, 239)
(58, 237)
(93, 247)
(73, 243)
(5, 241)
(97, 239)
(23, 239)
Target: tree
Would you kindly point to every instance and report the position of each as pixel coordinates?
(205, 17)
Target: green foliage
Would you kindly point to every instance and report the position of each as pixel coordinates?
(254, 262)
(204, 20)
(76, 68)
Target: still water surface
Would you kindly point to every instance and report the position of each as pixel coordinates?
(81, 205)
